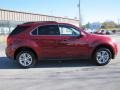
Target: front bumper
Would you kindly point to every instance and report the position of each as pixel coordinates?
(115, 50)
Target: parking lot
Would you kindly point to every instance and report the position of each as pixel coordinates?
(60, 75)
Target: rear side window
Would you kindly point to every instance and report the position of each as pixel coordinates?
(19, 29)
(48, 30)
(35, 32)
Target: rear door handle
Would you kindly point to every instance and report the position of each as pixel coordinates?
(65, 40)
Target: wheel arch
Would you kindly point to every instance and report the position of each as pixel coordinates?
(104, 46)
(25, 48)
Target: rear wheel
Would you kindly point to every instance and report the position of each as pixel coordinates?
(102, 56)
(26, 59)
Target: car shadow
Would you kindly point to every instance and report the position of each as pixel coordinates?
(5, 63)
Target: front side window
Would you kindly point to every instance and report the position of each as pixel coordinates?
(68, 31)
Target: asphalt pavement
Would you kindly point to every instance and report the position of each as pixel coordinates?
(60, 75)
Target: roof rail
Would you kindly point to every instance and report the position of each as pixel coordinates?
(40, 22)
(28, 22)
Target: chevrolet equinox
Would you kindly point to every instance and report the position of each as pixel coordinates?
(48, 40)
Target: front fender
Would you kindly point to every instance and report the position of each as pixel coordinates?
(106, 43)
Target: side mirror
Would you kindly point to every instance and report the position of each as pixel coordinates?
(80, 35)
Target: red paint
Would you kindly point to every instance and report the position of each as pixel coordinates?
(58, 47)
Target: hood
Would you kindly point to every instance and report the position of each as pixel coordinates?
(99, 36)
(96, 37)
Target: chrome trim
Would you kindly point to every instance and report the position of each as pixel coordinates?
(48, 35)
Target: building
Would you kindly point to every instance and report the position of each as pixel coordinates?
(9, 19)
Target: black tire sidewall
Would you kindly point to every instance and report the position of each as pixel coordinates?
(95, 55)
(33, 59)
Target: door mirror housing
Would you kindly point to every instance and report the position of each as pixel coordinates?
(80, 35)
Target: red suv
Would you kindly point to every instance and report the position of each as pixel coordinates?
(34, 41)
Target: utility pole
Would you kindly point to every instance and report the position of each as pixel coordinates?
(118, 21)
(79, 8)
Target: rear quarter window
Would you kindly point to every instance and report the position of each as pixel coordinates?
(19, 29)
(35, 32)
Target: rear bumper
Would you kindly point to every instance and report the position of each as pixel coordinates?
(10, 52)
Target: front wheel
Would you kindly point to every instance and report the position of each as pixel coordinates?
(102, 56)
(26, 59)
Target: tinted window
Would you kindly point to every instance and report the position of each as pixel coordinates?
(34, 32)
(69, 31)
(19, 29)
(48, 30)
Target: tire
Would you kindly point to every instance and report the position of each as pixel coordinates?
(102, 56)
(26, 59)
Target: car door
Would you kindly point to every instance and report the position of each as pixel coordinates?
(47, 38)
(74, 44)
(59, 42)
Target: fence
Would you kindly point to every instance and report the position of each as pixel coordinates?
(7, 26)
